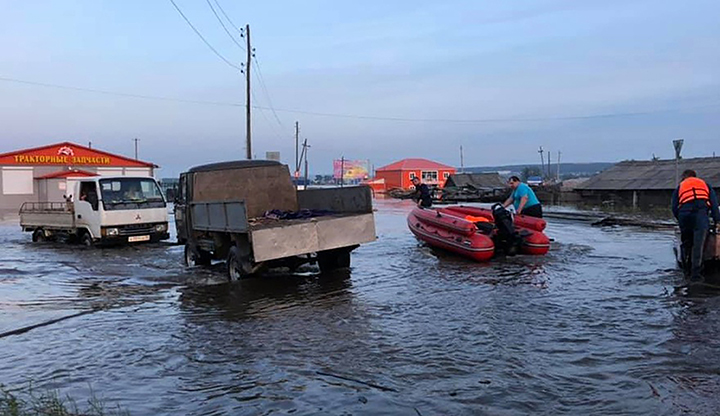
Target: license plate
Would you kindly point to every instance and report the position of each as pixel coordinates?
(135, 239)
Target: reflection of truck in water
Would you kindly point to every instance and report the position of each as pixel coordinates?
(101, 210)
(221, 212)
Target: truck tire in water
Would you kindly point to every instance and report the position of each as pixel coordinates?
(196, 257)
(333, 259)
(86, 239)
(238, 266)
(38, 236)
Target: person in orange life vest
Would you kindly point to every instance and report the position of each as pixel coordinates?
(691, 202)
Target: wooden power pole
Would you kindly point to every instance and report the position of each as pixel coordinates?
(247, 93)
(297, 150)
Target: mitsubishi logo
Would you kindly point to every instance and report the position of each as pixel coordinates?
(137, 217)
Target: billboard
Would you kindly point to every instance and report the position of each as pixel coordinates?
(351, 169)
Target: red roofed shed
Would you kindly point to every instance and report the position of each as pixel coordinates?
(400, 173)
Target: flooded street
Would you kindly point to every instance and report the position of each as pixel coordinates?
(598, 326)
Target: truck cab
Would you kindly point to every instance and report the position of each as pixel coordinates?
(119, 209)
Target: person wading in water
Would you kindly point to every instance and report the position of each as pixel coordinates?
(691, 202)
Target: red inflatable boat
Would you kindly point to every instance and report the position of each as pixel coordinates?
(473, 232)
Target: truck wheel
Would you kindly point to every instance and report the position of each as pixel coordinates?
(193, 258)
(333, 259)
(86, 239)
(38, 236)
(238, 267)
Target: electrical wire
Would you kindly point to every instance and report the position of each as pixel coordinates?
(362, 117)
(223, 26)
(227, 17)
(203, 38)
(271, 124)
(264, 87)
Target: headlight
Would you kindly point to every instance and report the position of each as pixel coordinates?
(111, 231)
(161, 227)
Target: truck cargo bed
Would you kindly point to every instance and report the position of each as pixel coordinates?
(275, 239)
(48, 215)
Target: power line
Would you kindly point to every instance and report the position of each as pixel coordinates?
(223, 26)
(360, 117)
(122, 94)
(267, 94)
(271, 124)
(203, 38)
(227, 17)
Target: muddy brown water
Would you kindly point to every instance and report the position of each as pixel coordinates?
(601, 325)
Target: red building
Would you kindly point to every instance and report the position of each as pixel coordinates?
(46, 173)
(400, 173)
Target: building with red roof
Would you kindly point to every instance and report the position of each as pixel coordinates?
(45, 173)
(399, 174)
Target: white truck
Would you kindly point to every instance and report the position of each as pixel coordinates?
(105, 210)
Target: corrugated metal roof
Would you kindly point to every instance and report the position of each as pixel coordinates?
(651, 175)
(415, 163)
(476, 180)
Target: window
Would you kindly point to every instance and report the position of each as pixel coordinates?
(17, 181)
(88, 192)
(446, 175)
(412, 175)
(429, 176)
(131, 193)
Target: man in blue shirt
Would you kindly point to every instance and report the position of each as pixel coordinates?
(523, 198)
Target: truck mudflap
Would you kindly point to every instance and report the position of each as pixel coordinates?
(317, 234)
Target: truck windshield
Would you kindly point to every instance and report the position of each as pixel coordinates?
(130, 193)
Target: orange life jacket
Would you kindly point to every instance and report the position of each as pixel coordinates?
(692, 189)
(472, 218)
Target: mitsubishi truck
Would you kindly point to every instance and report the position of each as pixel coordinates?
(101, 210)
(249, 214)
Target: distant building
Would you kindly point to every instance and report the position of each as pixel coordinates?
(486, 180)
(400, 173)
(645, 184)
(46, 173)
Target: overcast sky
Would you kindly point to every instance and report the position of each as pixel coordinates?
(498, 78)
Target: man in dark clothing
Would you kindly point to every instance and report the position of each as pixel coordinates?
(422, 193)
(690, 204)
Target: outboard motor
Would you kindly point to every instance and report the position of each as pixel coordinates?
(506, 238)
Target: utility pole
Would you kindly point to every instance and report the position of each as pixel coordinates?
(678, 147)
(462, 164)
(342, 171)
(247, 93)
(305, 150)
(549, 164)
(136, 140)
(558, 167)
(297, 150)
(542, 160)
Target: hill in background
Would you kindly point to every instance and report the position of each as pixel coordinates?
(566, 169)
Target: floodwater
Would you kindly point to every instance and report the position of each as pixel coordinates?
(601, 325)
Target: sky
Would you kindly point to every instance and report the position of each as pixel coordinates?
(597, 80)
